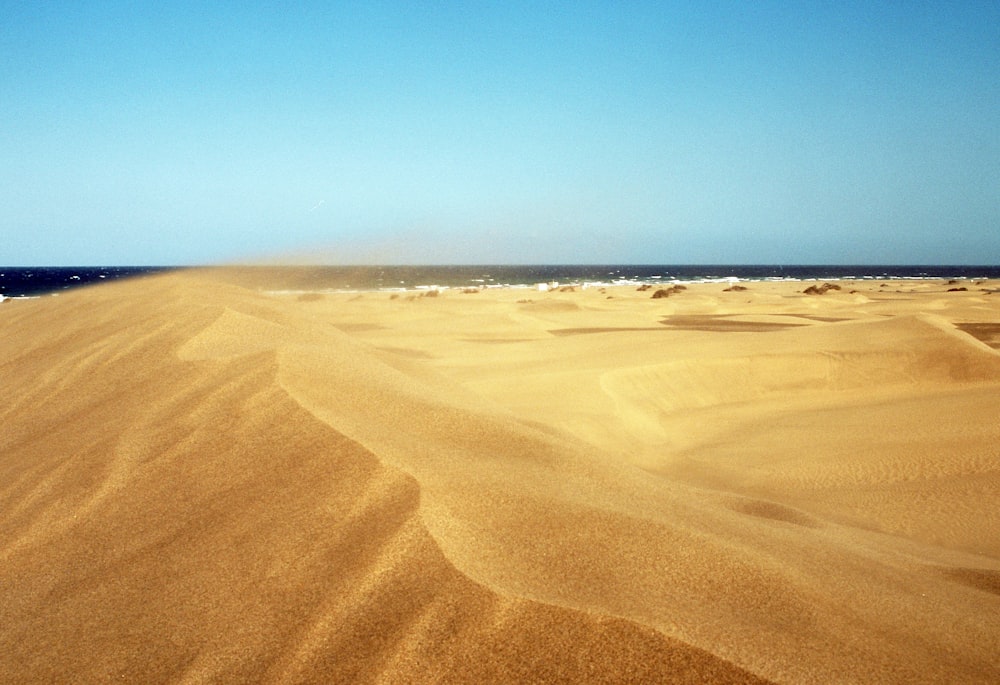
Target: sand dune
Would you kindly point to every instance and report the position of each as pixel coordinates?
(205, 482)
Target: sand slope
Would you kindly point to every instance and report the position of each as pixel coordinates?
(205, 483)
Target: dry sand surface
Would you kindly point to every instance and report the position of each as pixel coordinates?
(202, 481)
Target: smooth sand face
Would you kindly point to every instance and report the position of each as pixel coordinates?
(201, 482)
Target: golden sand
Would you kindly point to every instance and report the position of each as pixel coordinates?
(206, 482)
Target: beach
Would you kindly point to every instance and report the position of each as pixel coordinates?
(206, 480)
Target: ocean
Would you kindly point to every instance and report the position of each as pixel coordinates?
(19, 281)
(35, 281)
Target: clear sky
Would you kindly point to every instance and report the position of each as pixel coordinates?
(503, 132)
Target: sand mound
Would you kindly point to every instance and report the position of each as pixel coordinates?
(170, 513)
(205, 484)
(550, 306)
(825, 360)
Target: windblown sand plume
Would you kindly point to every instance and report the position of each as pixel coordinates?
(207, 482)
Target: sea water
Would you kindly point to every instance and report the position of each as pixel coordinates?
(33, 281)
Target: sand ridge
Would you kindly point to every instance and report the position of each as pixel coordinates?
(206, 482)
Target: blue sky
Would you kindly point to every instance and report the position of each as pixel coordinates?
(505, 132)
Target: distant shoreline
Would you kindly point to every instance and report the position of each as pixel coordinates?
(39, 280)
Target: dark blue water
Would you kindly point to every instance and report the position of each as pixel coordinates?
(31, 281)
(20, 281)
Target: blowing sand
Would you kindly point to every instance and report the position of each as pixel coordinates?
(206, 482)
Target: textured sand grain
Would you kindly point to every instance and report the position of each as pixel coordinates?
(204, 482)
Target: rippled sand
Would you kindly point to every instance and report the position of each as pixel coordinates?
(201, 482)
